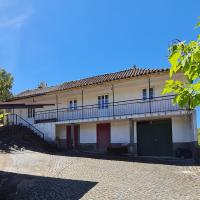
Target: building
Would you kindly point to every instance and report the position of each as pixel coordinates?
(121, 108)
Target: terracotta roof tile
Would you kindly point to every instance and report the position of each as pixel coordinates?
(128, 73)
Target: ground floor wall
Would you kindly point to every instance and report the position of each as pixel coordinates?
(122, 132)
(48, 129)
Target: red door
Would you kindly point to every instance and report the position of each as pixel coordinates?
(69, 144)
(76, 136)
(72, 138)
(103, 136)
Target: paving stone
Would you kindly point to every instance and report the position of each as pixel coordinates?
(72, 177)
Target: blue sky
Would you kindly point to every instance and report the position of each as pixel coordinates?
(62, 40)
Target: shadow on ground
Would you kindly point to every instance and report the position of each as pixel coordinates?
(15, 186)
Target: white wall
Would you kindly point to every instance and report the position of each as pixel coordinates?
(120, 132)
(182, 129)
(61, 131)
(48, 129)
(129, 89)
(88, 133)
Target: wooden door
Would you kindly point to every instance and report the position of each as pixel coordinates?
(103, 136)
(69, 138)
(76, 136)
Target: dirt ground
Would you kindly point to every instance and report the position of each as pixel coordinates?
(39, 176)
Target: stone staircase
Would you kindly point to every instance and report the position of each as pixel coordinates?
(20, 138)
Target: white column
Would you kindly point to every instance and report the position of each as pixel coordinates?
(194, 126)
(135, 132)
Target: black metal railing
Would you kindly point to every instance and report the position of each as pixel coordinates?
(121, 108)
(14, 119)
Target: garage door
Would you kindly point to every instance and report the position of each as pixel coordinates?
(154, 138)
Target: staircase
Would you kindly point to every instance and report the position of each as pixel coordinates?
(18, 134)
(14, 119)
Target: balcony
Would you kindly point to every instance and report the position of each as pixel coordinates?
(116, 109)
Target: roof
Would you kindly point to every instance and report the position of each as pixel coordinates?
(124, 74)
(9, 105)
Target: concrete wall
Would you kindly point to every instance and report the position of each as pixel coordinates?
(48, 129)
(181, 129)
(120, 131)
(61, 131)
(88, 133)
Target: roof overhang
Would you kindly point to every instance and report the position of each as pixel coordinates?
(9, 105)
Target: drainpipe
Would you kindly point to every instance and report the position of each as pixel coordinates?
(13, 115)
(57, 106)
(33, 109)
(113, 94)
(82, 103)
(149, 95)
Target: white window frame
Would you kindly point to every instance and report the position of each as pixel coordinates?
(73, 104)
(101, 100)
(31, 112)
(147, 96)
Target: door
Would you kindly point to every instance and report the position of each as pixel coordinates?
(76, 136)
(103, 136)
(154, 138)
(72, 136)
(69, 137)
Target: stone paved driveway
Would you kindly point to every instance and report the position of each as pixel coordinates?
(40, 176)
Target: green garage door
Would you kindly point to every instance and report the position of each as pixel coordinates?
(154, 138)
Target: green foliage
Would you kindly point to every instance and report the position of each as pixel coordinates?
(6, 82)
(185, 57)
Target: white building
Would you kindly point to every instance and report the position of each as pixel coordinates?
(114, 109)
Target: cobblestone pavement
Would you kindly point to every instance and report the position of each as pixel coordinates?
(38, 176)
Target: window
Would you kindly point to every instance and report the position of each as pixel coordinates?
(103, 101)
(151, 93)
(144, 93)
(31, 112)
(73, 104)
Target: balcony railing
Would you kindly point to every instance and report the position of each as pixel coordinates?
(121, 108)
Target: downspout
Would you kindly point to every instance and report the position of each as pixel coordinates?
(113, 94)
(57, 106)
(82, 103)
(13, 111)
(149, 95)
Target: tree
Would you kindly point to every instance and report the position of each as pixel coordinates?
(6, 82)
(185, 57)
